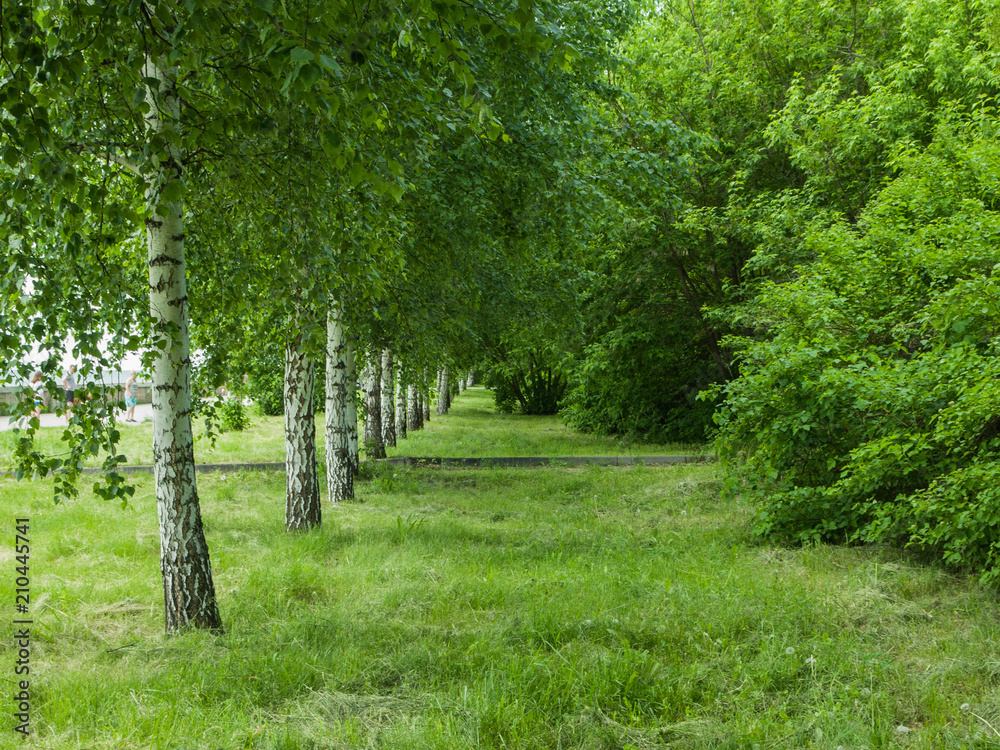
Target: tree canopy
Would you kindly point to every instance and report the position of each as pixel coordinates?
(764, 222)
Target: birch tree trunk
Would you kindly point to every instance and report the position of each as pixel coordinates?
(339, 471)
(374, 447)
(444, 395)
(440, 400)
(400, 404)
(413, 408)
(352, 409)
(188, 588)
(425, 401)
(388, 404)
(471, 380)
(302, 503)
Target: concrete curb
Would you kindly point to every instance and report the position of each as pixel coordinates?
(495, 462)
(522, 461)
(202, 468)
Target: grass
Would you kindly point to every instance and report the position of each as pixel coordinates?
(263, 441)
(471, 428)
(544, 608)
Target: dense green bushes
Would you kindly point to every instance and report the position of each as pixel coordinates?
(870, 408)
(266, 387)
(233, 415)
(536, 389)
(266, 381)
(631, 383)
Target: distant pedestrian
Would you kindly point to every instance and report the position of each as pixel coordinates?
(131, 392)
(38, 387)
(69, 385)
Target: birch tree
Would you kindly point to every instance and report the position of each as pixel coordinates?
(339, 464)
(188, 588)
(388, 406)
(352, 408)
(401, 403)
(372, 378)
(413, 408)
(425, 399)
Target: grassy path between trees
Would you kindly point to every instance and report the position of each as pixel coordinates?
(471, 428)
(541, 608)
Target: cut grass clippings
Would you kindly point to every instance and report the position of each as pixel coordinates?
(541, 608)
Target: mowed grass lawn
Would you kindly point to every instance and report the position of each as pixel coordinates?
(471, 428)
(540, 608)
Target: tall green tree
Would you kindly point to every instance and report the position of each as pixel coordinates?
(172, 93)
(864, 411)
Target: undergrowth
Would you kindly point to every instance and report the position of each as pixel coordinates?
(541, 608)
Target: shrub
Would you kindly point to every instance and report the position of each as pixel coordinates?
(871, 409)
(503, 394)
(266, 388)
(232, 415)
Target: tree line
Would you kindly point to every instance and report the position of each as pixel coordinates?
(827, 277)
(764, 222)
(280, 169)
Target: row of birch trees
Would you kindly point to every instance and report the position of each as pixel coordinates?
(355, 185)
(248, 162)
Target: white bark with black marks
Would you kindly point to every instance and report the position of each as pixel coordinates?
(439, 409)
(425, 400)
(400, 404)
(339, 469)
(443, 394)
(413, 408)
(352, 407)
(188, 588)
(302, 501)
(374, 447)
(388, 402)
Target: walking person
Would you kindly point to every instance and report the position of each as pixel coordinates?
(38, 387)
(131, 391)
(69, 385)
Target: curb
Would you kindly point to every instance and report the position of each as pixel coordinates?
(519, 461)
(498, 462)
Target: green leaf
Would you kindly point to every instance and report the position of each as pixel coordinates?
(329, 63)
(301, 54)
(172, 191)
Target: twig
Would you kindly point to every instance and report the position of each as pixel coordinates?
(985, 722)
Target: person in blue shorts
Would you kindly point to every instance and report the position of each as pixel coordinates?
(131, 391)
(38, 387)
